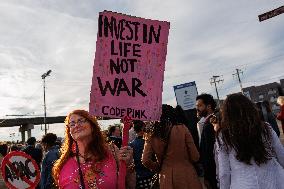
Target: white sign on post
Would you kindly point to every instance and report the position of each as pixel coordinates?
(186, 95)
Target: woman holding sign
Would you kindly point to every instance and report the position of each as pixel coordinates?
(86, 160)
(175, 151)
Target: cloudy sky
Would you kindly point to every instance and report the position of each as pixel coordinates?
(206, 38)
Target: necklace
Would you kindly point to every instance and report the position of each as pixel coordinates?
(85, 157)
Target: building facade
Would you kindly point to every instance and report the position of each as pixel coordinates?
(269, 92)
(282, 86)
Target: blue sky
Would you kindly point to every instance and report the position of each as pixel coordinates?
(206, 38)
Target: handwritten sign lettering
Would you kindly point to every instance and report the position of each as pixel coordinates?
(129, 67)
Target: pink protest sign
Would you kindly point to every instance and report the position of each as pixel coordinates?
(129, 67)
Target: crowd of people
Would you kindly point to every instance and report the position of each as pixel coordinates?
(45, 152)
(236, 146)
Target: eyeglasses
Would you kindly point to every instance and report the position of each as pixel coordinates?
(79, 122)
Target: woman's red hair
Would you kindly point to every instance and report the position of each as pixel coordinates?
(97, 146)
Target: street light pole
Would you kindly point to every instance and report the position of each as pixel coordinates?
(44, 106)
(43, 77)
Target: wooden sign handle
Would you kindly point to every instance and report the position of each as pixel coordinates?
(125, 133)
(125, 137)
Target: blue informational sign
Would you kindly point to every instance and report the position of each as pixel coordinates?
(186, 95)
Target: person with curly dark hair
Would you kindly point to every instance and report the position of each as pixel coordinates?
(174, 148)
(248, 152)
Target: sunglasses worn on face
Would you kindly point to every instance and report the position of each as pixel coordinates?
(79, 122)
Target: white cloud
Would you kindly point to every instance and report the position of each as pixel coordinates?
(206, 39)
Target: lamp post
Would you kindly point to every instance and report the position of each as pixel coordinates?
(43, 77)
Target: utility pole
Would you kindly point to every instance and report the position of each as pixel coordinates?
(215, 79)
(43, 77)
(238, 71)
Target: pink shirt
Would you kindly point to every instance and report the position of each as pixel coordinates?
(101, 175)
